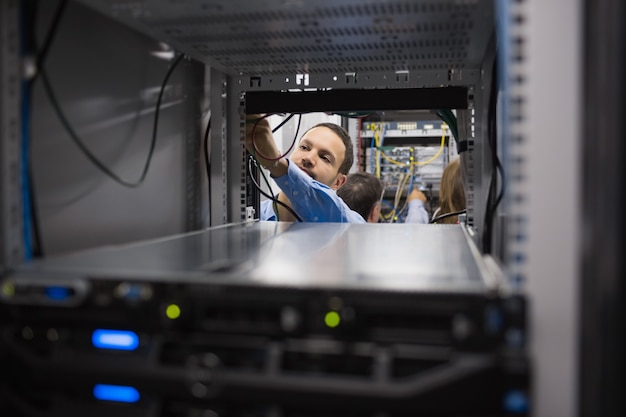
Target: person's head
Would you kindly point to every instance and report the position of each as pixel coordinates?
(451, 191)
(362, 192)
(325, 153)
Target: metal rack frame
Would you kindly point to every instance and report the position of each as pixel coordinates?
(333, 46)
(540, 248)
(11, 224)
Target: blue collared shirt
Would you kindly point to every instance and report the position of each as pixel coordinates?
(312, 200)
(417, 213)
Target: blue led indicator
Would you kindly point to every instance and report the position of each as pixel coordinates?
(516, 402)
(493, 319)
(115, 339)
(57, 293)
(118, 393)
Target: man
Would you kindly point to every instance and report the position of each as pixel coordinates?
(416, 211)
(363, 192)
(310, 177)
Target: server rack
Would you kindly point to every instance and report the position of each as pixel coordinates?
(417, 55)
(406, 151)
(386, 61)
(269, 319)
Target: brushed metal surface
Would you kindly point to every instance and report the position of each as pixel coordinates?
(395, 257)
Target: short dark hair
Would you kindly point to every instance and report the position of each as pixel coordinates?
(361, 192)
(348, 160)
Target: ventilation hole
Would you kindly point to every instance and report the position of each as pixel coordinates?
(517, 159)
(518, 79)
(519, 257)
(519, 198)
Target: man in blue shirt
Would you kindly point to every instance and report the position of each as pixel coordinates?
(363, 192)
(416, 211)
(310, 177)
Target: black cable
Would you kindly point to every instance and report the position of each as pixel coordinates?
(271, 197)
(492, 200)
(269, 187)
(444, 216)
(207, 164)
(430, 198)
(450, 119)
(52, 31)
(503, 183)
(256, 150)
(38, 251)
(295, 139)
(107, 171)
(29, 49)
(283, 122)
(30, 40)
(496, 160)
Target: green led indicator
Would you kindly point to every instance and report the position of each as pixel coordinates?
(8, 290)
(332, 319)
(172, 311)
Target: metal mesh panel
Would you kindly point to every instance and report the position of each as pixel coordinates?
(516, 137)
(246, 37)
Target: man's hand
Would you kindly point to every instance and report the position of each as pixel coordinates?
(259, 139)
(416, 194)
(260, 143)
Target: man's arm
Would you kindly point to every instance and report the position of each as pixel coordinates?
(417, 212)
(260, 143)
(314, 201)
(310, 199)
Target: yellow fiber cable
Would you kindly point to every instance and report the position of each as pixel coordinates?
(393, 161)
(443, 142)
(378, 152)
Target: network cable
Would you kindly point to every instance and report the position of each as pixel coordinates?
(81, 145)
(269, 195)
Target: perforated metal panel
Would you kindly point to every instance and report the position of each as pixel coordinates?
(542, 197)
(282, 36)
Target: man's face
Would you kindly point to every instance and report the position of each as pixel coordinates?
(320, 153)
